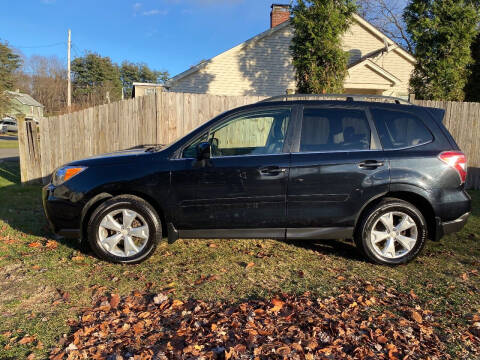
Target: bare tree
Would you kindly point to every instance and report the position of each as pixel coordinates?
(45, 78)
(387, 16)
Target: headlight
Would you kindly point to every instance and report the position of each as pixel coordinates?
(66, 173)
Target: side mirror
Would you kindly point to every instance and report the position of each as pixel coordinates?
(203, 151)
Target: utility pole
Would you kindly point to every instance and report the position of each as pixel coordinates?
(69, 91)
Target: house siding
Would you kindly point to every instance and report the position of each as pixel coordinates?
(261, 68)
(264, 67)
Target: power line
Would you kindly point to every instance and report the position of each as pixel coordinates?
(76, 50)
(40, 46)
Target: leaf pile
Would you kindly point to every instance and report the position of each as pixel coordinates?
(354, 325)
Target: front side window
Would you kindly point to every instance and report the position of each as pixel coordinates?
(398, 129)
(255, 133)
(334, 129)
(191, 150)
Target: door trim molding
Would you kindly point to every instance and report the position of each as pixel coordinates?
(321, 233)
(262, 233)
(256, 233)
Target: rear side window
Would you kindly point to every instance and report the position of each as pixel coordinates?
(334, 130)
(398, 129)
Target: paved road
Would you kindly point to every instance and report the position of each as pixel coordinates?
(8, 137)
(9, 155)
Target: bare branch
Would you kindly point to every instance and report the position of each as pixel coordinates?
(386, 15)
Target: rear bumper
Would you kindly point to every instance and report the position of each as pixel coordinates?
(455, 225)
(448, 227)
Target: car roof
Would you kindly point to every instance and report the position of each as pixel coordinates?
(343, 103)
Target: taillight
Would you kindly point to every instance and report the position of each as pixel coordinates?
(456, 160)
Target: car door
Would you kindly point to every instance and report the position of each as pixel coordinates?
(243, 184)
(337, 166)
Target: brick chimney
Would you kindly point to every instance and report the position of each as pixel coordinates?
(280, 13)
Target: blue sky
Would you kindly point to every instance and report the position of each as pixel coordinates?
(168, 35)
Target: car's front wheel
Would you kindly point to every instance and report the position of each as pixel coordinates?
(124, 229)
(392, 232)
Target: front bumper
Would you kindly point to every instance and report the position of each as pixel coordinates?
(62, 215)
(455, 225)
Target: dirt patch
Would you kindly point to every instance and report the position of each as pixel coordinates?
(21, 292)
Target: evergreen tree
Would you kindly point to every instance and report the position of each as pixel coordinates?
(131, 72)
(442, 32)
(472, 90)
(9, 63)
(94, 78)
(318, 57)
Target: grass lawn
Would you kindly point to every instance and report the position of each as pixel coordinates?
(8, 144)
(45, 282)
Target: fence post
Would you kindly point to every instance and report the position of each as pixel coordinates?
(28, 148)
(22, 148)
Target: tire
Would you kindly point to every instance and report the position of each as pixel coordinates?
(145, 218)
(379, 250)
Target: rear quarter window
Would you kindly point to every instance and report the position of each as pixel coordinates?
(399, 129)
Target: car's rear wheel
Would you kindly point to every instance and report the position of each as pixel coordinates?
(124, 229)
(392, 232)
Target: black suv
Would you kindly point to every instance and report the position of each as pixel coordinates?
(388, 175)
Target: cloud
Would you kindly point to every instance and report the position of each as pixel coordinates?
(48, 2)
(137, 10)
(154, 12)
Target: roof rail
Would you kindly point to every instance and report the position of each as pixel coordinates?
(347, 97)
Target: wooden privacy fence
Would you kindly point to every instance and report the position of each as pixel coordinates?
(161, 118)
(462, 119)
(152, 119)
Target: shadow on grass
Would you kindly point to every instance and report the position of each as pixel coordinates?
(342, 248)
(21, 205)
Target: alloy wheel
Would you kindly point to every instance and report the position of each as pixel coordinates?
(123, 233)
(394, 235)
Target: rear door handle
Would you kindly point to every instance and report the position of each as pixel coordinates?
(272, 170)
(370, 164)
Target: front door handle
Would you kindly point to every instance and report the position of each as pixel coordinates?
(272, 170)
(370, 164)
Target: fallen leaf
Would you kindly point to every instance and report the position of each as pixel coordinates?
(277, 305)
(51, 244)
(249, 265)
(177, 303)
(370, 288)
(114, 301)
(382, 339)
(26, 340)
(417, 317)
(78, 258)
(35, 244)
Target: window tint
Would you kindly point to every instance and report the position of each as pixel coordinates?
(399, 129)
(334, 130)
(254, 133)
